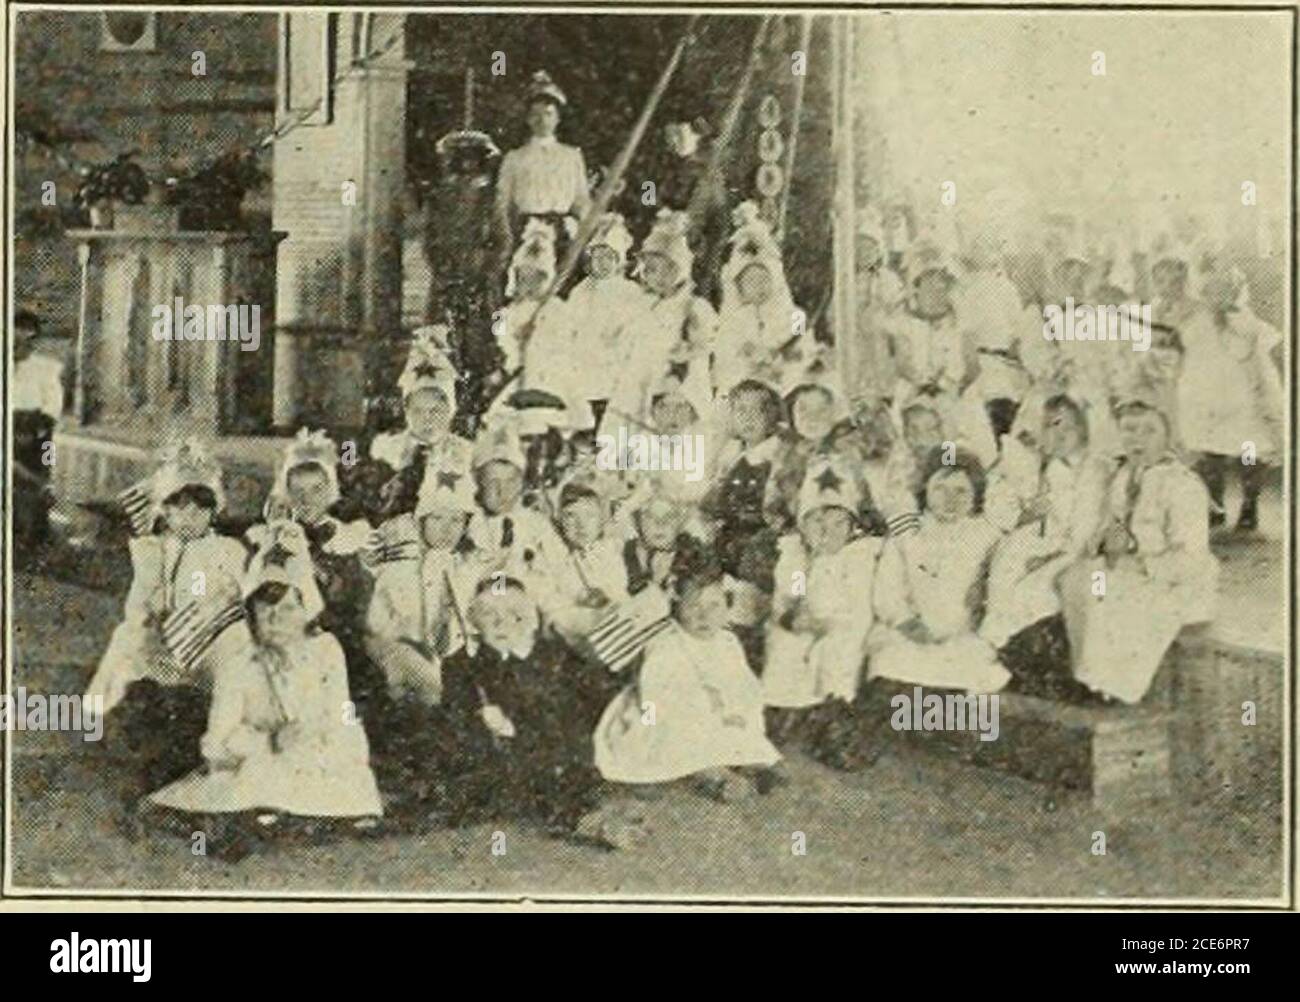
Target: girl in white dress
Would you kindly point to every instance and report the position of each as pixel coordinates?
(279, 737)
(184, 563)
(606, 307)
(757, 318)
(1230, 396)
(536, 333)
(695, 709)
(821, 605)
(928, 588)
(1049, 523)
(1150, 571)
(678, 326)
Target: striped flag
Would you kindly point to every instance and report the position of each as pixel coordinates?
(137, 502)
(904, 524)
(391, 551)
(190, 631)
(621, 636)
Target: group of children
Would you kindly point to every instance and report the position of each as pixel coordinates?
(441, 631)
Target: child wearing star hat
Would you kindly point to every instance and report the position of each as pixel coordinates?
(421, 582)
(181, 566)
(509, 538)
(605, 307)
(821, 603)
(428, 386)
(757, 320)
(278, 741)
(306, 493)
(677, 323)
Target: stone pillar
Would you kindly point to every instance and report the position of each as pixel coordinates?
(343, 269)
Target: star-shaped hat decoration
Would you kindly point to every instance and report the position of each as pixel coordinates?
(829, 480)
(448, 479)
(278, 555)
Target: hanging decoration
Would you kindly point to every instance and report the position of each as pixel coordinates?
(770, 178)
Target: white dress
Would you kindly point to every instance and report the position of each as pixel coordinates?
(695, 706)
(397, 449)
(803, 669)
(412, 620)
(679, 324)
(168, 574)
(319, 766)
(1229, 391)
(749, 338)
(606, 313)
(933, 576)
(567, 577)
(1018, 597)
(1118, 638)
(990, 308)
(38, 385)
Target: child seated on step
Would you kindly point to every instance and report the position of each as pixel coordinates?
(520, 707)
(586, 578)
(185, 578)
(422, 570)
(1148, 571)
(306, 493)
(510, 539)
(1048, 500)
(694, 709)
(821, 605)
(399, 458)
(929, 586)
(280, 740)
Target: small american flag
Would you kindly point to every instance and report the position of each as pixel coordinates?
(622, 635)
(190, 631)
(392, 551)
(138, 505)
(904, 524)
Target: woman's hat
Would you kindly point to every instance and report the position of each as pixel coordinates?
(542, 88)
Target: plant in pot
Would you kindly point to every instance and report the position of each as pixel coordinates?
(120, 180)
(212, 197)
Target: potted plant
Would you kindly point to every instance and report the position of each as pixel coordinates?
(120, 180)
(211, 198)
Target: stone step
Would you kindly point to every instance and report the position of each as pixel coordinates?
(1186, 739)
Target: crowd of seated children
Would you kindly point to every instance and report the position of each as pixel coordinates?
(458, 600)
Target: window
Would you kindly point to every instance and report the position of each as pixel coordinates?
(128, 32)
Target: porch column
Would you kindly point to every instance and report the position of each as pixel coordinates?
(375, 93)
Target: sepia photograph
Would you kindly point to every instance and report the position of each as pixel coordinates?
(633, 454)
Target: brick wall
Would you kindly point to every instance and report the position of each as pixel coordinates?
(104, 103)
